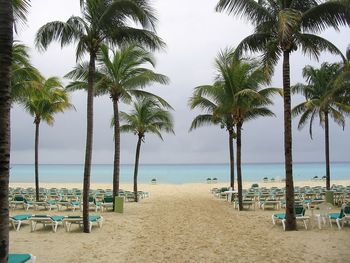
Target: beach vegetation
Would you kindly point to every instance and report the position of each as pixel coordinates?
(148, 115)
(42, 100)
(102, 22)
(121, 74)
(323, 99)
(280, 28)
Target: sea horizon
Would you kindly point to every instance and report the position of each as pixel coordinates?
(175, 173)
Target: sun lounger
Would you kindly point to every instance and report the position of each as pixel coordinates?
(341, 217)
(18, 219)
(46, 220)
(107, 203)
(69, 220)
(299, 215)
(21, 258)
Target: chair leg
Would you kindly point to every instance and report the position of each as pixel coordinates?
(18, 226)
(338, 223)
(284, 224)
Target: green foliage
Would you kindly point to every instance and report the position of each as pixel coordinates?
(147, 116)
(236, 95)
(103, 21)
(285, 26)
(44, 98)
(322, 96)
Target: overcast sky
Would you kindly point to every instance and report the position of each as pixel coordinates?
(194, 34)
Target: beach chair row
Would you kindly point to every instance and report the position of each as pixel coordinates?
(53, 220)
(322, 216)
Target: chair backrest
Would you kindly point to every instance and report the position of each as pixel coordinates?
(108, 199)
(345, 211)
(19, 198)
(299, 210)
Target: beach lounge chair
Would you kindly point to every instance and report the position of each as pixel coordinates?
(21, 258)
(154, 181)
(107, 203)
(299, 212)
(341, 217)
(20, 200)
(93, 204)
(54, 221)
(69, 220)
(18, 219)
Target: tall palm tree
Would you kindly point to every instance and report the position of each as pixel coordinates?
(282, 27)
(147, 116)
(241, 80)
(121, 76)
(208, 98)
(102, 21)
(322, 100)
(45, 98)
(6, 41)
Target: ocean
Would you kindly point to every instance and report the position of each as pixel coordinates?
(173, 173)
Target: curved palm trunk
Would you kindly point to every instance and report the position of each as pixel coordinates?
(89, 138)
(232, 160)
(6, 39)
(116, 168)
(328, 169)
(37, 123)
(137, 157)
(290, 216)
(239, 169)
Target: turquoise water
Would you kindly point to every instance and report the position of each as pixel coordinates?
(174, 173)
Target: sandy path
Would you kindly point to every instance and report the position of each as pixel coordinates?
(184, 223)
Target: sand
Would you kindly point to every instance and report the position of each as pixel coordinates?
(183, 223)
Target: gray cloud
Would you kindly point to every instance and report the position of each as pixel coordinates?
(194, 34)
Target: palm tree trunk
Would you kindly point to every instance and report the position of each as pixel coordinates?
(328, 169)
(116, 149)
(6, 39)
(89, 138)
(290, 217)
(232, 160)
(239, 169)
(137, 157)
(37, 123)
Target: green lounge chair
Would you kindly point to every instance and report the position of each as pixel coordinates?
(46, 220)
(18, 219)
(69, 220)
(21, 258)
(299, 212)
(341, 217)
(107, 203)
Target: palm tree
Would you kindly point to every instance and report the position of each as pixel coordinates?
(242, 79)
(6, 41)
(282, 27)
(147, 116)
(121, 76)
(20, 11)
(45, 98)
(208, 98)
(102, 21)
(322, 100)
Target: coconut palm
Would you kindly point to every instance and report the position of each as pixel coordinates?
(208, 98)
(323, 101)
(243, 97)
(121, 75)
(45, 98)
(147, 116)
(102, 21)
(6, 41)
(282, 27)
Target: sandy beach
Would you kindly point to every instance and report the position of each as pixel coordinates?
(183, 223)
